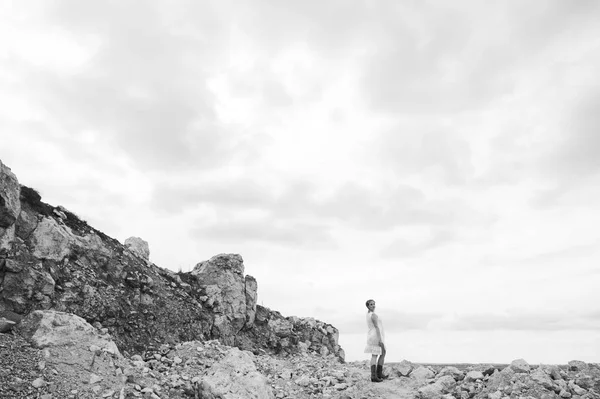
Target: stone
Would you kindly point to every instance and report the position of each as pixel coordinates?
(6, 325)
(38, 383)
(404, 368)
(51, 240)
(236, 376)
(10, 203)
(445, 384)
(251, 289)
(18, 289)
(542, 378)
(422, 373)
(451, 371)
(474, 375)
(138, 247)
(226, 272)
(44, 328)
(520, 366)
(564, 394)
(10, 206)
(578, 365)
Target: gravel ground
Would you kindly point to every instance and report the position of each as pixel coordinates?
(20, 366)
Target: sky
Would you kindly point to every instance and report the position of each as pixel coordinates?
(441, 158)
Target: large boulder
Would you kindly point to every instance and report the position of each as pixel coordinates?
(45, 328)
(223, 279)
(10, 205)
(138, 247)
(235, 377)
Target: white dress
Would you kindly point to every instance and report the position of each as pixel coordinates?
(372, 339)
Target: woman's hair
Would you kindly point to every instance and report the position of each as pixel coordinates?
(367, 303)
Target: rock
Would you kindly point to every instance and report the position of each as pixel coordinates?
(442, 385)
(577, 365)
(473, 375)
(51, 240)
(542, 378)
(38, 383)
(451, 371)
(18, 289)
(578, 390)
(251, 289)
(403, 368)
(552, 371)
(281, 327)
(585, 381)
(226, 272)
(422, 373)
(564, 394)
(495, 395)
(236, 376)
(51, 328)
(6, 325)
(138, 247)
(26, 223)
(10, 205)
(520, 366)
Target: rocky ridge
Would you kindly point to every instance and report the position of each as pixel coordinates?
(51, 259)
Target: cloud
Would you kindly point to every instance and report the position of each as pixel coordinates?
(434, 59)
(287, 233)
(402, 248)
(577, 155)
(351, 204)
(143, 88)
(435, 152)
(527, 320)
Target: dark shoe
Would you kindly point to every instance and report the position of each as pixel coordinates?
(380, 373)
(374, 377)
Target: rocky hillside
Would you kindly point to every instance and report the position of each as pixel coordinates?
(51, 259)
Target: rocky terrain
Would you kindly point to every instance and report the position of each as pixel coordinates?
(84, 316)
(53, 355)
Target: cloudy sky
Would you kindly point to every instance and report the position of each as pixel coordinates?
(442, 158)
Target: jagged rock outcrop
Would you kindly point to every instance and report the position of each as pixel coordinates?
(51, 259)
(10, 205)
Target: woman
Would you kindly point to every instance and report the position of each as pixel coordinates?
(375, 343)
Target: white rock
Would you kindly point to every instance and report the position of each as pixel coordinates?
(422, 373)
(138, 247)
(520, 366)
(51, 328)
(236, 377)
(38, 383)
(94, 379)
(473, 375)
